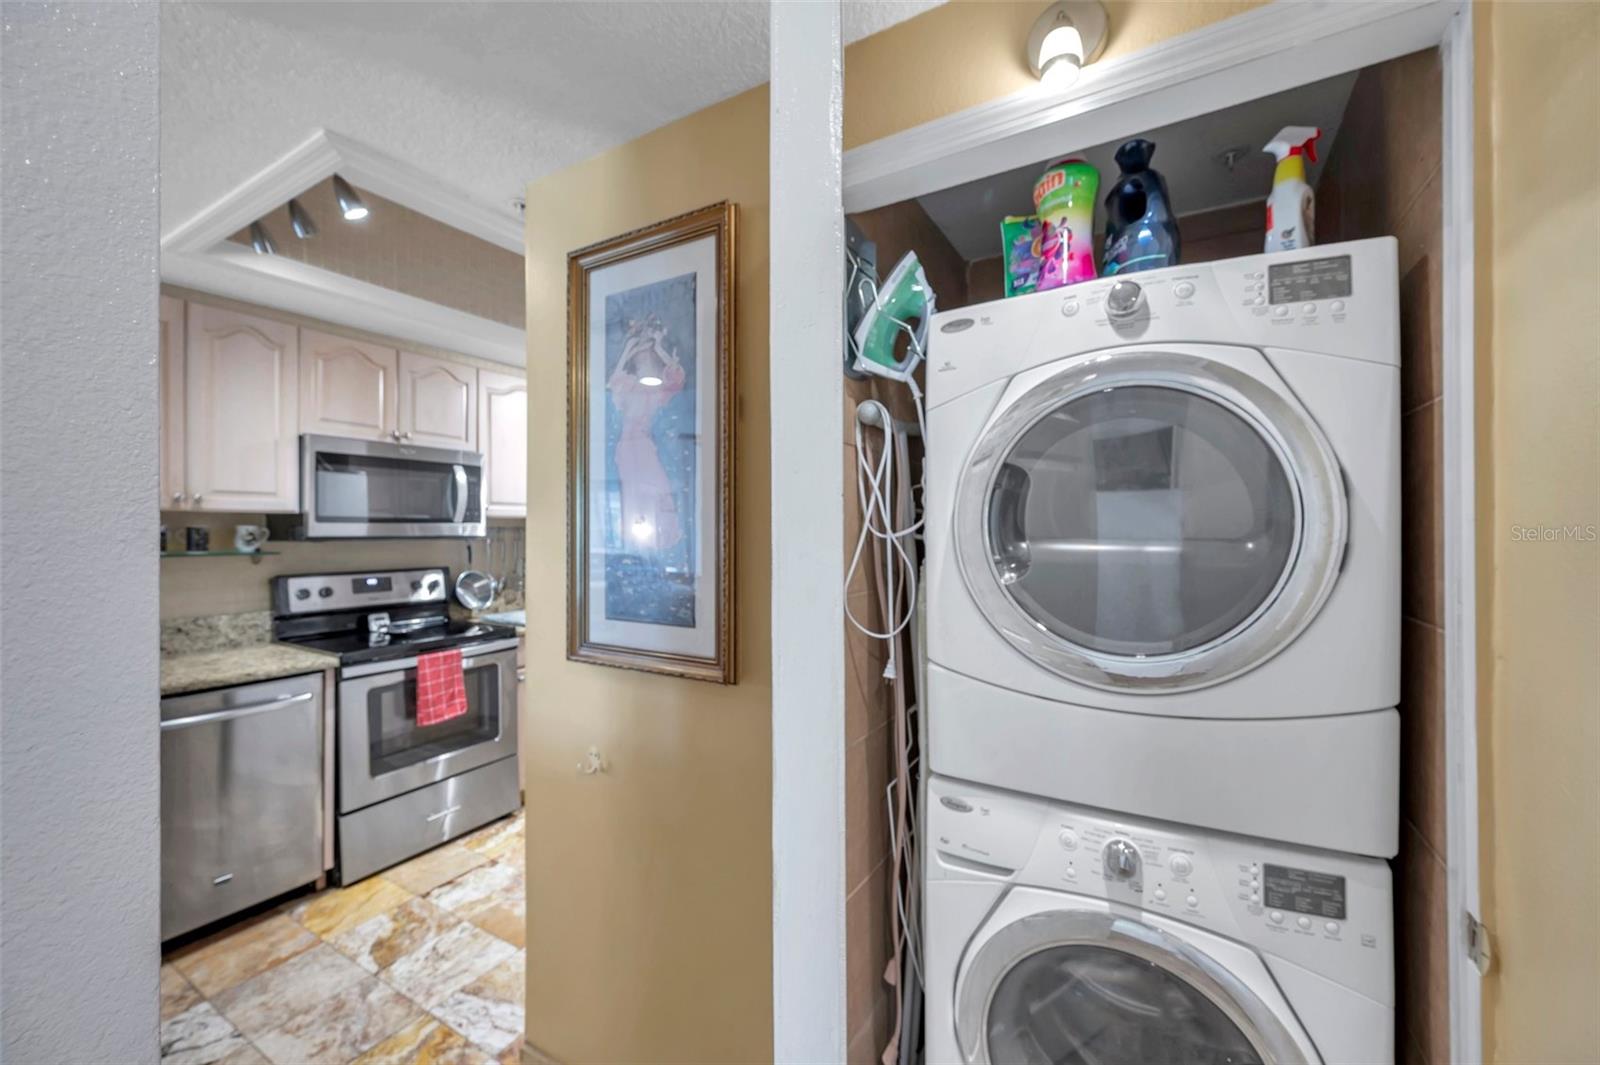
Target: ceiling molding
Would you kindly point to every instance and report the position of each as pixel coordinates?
(1271, 48)
(198, 254)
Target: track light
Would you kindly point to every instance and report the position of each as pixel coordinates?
(260, 241)
(349, 203)
(1065, 39)
(304, 227)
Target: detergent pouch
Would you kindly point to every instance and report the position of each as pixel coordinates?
(1019, 235)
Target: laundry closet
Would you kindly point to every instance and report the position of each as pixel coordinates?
(1376, 172)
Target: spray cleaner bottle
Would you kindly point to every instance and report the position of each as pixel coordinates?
(1291, 209)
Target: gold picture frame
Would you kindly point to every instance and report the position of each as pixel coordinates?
(650, 457)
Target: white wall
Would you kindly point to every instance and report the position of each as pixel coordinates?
(79, 790)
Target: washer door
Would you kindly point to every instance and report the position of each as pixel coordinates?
(1150, 520)
(1064, 988)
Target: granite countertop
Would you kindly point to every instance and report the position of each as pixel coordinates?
(238, 665)
(227, 649)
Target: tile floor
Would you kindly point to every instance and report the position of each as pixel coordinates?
(422, 963)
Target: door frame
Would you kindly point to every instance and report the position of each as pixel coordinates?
(1275, 47)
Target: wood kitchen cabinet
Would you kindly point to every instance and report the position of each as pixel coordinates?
(503, 436)
(241, 399)
(348, 387)
(174, 492)
(438, 402)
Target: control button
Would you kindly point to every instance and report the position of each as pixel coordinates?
(1337, 306)
(1192, 902)
(1280, 312)
(1068, 839)
(1310, 308)
(1276, 916)
(1072, 874)
(1069, 308)
(324, 591)
(1259, 300)
(1183, 290)
(302, 593)
(1303, 922)
(1123, 298)
(1255, 896)
(1161, 895)
(1181, 865)
(1332, 927)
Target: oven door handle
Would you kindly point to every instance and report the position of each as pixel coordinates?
(460, 473)
(398, 665)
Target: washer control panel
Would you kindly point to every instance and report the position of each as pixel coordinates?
(1329, 912)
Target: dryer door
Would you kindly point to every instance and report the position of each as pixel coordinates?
(1151, 520)
(1075, 988)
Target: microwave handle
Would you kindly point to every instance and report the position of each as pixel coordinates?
(460, 472)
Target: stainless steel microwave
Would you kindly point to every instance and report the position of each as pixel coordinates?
(373, 489)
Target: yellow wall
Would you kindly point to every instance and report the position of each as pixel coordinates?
(1539, 460)
(649, 886)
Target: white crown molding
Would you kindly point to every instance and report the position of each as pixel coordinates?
(239, 273)
(197, 253)
(1267, 50)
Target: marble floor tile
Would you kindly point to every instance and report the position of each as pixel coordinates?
(511, 1055)
(177, 994)
(495, 884)
(245, 1055)
(488, 1011)
(424, 1042)
(199, 1036)
(237, 954)
(385, 939)
(447, 962)
(328, 913)
(499, 840)
(427, 871)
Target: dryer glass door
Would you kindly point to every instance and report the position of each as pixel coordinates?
(1150, 520)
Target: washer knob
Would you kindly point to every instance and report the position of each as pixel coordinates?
(1124, 298)
(1122, 859)
(1181, 865)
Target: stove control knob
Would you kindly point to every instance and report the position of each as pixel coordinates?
(302, 593)
(416, 586)
(1123, 299)
(1121, 860)
(324, 591)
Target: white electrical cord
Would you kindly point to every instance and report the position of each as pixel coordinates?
(875, 488)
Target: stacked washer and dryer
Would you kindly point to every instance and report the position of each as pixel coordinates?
(1163, 620)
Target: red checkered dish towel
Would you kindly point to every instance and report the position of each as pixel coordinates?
(441, 689)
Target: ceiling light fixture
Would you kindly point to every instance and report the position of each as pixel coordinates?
(304, 227)
(1066, 38)
(350, 204)
(260, 241)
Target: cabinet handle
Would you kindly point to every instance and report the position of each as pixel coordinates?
(405, 435)
(177, 497)
(394, 434)
(235, 712)
(196, 499)
(522, 675)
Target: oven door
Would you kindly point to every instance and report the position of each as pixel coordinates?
(382, 750)
(367, 488)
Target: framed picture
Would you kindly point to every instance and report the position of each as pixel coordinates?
(650, 501)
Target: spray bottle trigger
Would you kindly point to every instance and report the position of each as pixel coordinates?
(1311, 147)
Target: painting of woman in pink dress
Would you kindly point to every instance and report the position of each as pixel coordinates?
(651, 443)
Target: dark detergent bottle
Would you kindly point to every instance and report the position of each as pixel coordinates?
(1141, 230)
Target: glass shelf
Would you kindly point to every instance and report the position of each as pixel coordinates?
(256, 555)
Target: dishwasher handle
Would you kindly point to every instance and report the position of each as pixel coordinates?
(235, 712)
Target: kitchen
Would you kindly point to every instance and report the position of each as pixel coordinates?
(342, 508)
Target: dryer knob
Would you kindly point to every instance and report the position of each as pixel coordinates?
(1123, 299)
(1121, 860)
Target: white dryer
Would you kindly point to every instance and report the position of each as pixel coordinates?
(1163, 545)
(1061, 935)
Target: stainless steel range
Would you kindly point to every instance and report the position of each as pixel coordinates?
(403, 788)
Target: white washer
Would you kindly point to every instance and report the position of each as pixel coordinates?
(1175, 497)
(1054, 933)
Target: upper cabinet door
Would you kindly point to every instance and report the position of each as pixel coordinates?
(347, 387)
(242, 377)
(174, 493)
(503, 431)
(438, 402)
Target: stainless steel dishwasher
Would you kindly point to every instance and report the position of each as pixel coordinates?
(241, 798)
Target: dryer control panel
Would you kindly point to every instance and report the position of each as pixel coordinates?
(1330, 913)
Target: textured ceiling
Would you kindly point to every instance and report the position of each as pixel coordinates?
(1188, 155)
(484, 96)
